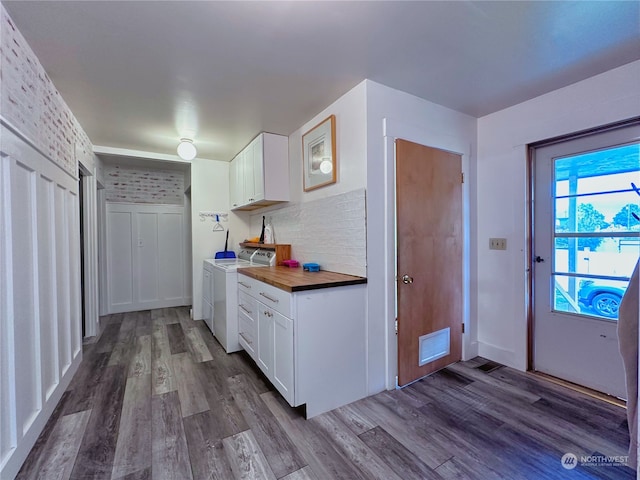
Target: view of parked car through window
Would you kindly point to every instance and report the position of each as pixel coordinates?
(597, 229)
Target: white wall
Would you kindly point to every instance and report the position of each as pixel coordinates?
(501, 282)
(351, 148)
(351, 135)
(398, 114)
(209, 193)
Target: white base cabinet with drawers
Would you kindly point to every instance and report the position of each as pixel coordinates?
(309, 344)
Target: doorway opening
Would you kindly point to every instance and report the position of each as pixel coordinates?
(81, 207)
(429, 242)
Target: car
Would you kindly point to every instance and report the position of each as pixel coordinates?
(602, 296)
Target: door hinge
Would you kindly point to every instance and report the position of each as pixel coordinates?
(462, 177)
(396, 326)
(463, 328)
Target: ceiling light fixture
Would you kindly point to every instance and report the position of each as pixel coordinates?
(186, 149)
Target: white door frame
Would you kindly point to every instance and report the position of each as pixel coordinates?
(90, 248)
(423, 135)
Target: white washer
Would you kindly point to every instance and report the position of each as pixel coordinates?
(223, 319)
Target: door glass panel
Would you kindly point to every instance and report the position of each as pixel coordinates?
(598, 212)
(606, 256)
(597, 229)
(588, 296)
(602, 169)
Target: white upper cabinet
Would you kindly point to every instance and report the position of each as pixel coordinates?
(259, 174)
(236, 182)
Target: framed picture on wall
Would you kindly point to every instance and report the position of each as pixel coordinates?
(319, 155)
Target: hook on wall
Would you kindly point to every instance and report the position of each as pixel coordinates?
(217, 227)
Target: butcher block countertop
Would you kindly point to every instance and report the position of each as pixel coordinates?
(297, 280)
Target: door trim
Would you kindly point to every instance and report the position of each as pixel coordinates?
(430, 136)
(530, 198)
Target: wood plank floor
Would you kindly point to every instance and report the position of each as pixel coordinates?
(156, 397)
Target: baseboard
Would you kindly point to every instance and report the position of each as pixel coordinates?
(499, 355)
(130, 307)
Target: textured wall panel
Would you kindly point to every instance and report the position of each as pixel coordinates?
(330, 231)
(133, 185)
(30, 101)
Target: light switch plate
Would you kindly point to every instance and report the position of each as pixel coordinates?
(497, 244)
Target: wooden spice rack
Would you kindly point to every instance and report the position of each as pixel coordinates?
(283, 250)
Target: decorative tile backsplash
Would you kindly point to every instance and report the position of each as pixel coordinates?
(30, 102)
(133, 185)
(330, 231)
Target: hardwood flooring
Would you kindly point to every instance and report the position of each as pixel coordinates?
(156, 397)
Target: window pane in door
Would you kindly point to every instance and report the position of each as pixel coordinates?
(597, 229)
(588, 296)
(604, 212)
(616, 164)
(605, 256)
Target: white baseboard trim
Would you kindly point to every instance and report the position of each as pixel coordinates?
(500, 355)
(130, 307)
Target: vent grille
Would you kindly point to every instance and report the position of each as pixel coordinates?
(433, 346)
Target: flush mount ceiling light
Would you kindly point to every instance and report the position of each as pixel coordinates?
(186, 149)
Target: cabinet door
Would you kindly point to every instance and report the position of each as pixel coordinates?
(265, 340)
(258, 168)
(206, 286)
(247, 165)
(236, 182)
(283, 356)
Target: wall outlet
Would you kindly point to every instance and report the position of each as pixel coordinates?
(497, 244)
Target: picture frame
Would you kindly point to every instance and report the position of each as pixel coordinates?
(319, 162)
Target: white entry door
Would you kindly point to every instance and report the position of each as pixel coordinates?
(586, 244)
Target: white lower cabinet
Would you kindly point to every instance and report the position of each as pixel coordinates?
(275, 349)
(265, 341)
(311, 344)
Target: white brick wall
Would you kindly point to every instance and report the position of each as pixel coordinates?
(30, 102)
(133, 185)
(330, 231)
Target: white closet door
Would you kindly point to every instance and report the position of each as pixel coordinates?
(120, 258)
(147, 256)
(170, 245)
(146, 252)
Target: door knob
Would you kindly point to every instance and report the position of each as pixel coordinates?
(539, 259)
(407, 280)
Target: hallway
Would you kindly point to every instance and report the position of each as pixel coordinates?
(157, 397)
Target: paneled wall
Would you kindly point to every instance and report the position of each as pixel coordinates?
(40, 322)
(40, 327)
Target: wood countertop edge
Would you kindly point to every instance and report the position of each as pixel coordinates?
(297, 287)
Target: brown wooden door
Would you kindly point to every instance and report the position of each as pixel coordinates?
(429, 231)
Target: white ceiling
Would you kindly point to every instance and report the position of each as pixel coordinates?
(139, 75)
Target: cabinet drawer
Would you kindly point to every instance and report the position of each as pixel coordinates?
(273, 297)
(247, 333)
(247, 305)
